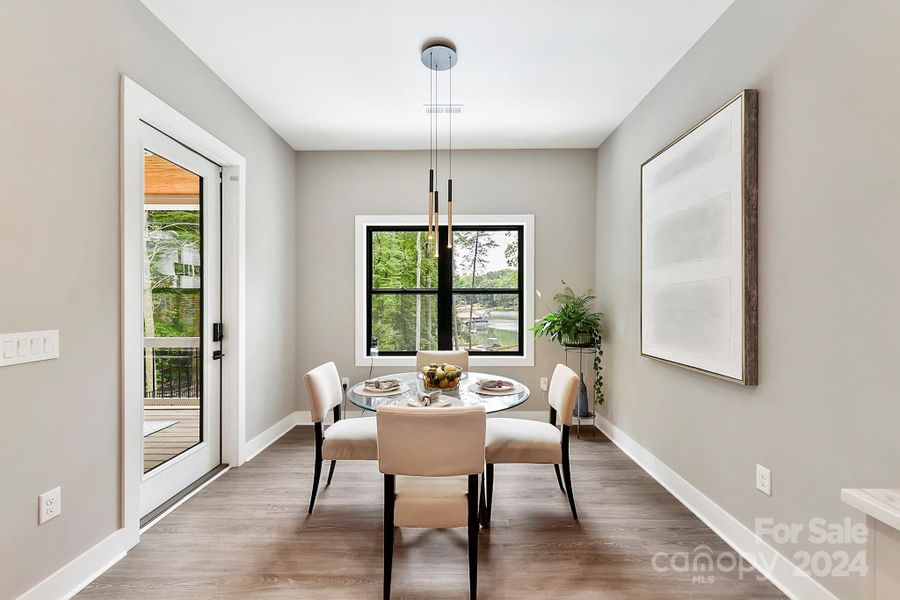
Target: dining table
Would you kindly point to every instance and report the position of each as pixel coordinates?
(467, 393)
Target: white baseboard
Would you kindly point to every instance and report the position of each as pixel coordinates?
(77, 574)
(265, 439)
(770, 563)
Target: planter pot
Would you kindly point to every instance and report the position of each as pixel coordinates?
(579, 340)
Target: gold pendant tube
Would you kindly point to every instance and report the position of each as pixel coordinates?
(450, 213)
(437, 220)
(430, 215)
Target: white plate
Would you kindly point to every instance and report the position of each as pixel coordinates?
(362, 390)
(495, 392)
(442, 402)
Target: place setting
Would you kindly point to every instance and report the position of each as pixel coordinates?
(434, 399)
(381, 386)
(494, 387)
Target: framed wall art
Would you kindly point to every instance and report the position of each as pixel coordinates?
(698, 246)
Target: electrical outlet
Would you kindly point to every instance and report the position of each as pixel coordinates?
(345, 383)
(764, 480)
(545, 383)
(49, 505)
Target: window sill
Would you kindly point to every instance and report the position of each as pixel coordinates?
(474, 361)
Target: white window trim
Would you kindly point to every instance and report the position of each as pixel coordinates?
(526, 221)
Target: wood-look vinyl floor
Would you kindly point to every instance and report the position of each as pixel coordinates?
(171, 441)
(248, 536)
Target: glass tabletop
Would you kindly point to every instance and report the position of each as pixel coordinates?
(464, 395)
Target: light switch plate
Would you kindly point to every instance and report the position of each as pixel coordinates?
(28, 346)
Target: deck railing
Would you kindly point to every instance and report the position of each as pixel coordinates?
(172, 370)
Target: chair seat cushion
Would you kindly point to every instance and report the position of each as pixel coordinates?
(438, 502)
(522, 441)
(351, 439)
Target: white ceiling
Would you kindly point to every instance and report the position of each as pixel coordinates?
(346, 74)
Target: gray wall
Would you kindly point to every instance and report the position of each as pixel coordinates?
(60, 64)
(825, 413)
(556, 186)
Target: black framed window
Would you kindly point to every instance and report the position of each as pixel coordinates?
(468, 297)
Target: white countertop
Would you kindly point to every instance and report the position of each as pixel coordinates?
(881, 504)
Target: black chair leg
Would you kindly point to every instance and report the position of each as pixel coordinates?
(482, 505)
(318, 471)
(489, 501)
(559, 478)
(473, 536)
(567, 475)
(316, 476)
(330, 473)
(389, 500)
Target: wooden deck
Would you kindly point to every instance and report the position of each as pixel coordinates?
(172, 441)
(247, 536)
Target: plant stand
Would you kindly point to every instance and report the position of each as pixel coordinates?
(582, 412)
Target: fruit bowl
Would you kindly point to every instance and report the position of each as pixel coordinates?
(441, 376)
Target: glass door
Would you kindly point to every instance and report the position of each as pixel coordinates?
(181, 305)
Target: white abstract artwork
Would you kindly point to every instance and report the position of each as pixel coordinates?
(698, 246)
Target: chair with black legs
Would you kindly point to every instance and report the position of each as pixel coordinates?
(431, 459)
(348, 439)
(534, 442)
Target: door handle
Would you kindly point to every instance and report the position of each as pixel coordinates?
(217, 355)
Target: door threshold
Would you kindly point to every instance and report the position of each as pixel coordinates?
(175, 501)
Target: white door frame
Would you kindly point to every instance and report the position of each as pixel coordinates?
(140, 105)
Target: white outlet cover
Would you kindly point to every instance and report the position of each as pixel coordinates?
(49, 505)
(764, 480)
(545, 383)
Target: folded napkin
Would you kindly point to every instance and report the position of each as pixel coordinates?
(382, 384)
(430, 398)
(495, 384)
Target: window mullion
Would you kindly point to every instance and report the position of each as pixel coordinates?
(445, 291)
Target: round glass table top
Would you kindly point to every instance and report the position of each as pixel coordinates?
(461, 396)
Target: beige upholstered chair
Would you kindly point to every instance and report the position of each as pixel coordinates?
(431, 459)
(453, 357)
(350, 439)
(521, 441)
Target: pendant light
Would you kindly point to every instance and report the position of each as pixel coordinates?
(430, 207)
(439, 55)
(450, 168)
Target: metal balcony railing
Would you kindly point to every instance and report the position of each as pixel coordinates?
(172, 369)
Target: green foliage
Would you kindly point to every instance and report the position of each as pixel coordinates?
(403, 260)
(504, 278)
(176, 312)
(573, 320)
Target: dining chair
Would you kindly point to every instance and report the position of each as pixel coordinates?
(348, 439)
(431, 459)
(534, 442)
(453, 357)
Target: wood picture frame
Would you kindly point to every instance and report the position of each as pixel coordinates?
(699, 219)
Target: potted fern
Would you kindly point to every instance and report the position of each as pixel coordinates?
(575, 324)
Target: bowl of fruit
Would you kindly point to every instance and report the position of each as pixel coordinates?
(442, 376)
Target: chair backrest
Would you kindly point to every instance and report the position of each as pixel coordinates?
(430, 442)
(454, 357)
(323, 386)
(563, 392)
